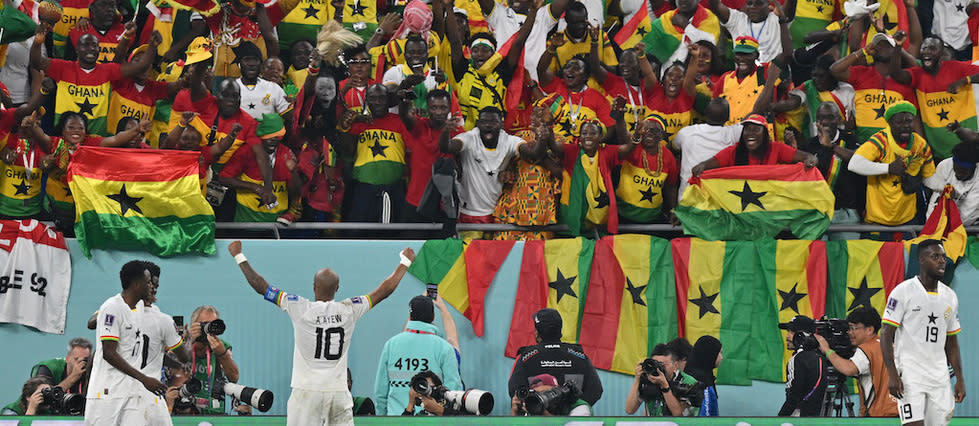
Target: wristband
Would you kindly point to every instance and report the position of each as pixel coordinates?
(830, 352)
(665, 390)
(405, 261)
(240, 258)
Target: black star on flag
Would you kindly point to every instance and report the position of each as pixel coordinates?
(632, 127)
(819, 9)
(647, 195)
(357, 9)
(602, 200)
(126, 202)
(880, 111)
(749, 197)
(86, 107)
(251, 105)
(888, 25)
(932, 318)
(791, 298)
(562, 285)
(67, 191)
(943, 115)
(22, 188)
(706, 303)
(642, 31)
(862, 295)
(378, 149)
(636, 292)
(311, 12)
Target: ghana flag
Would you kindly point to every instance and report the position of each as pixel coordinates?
(553, 274)
(944, 224)
(463, 272)
(125, 200)
(798, 275)
(586, 194)
(939, 107)
(863, 273)
(811, 16)
(631, 301)
(721, 291)
(303, 21)
(633, 31)
(755, 202)
(664, 38)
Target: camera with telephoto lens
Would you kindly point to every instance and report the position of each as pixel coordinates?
(255, 397)
(556, 400)
(59, 402)
(213, 328)
(472, 401)
(190, 389)
(420, 385)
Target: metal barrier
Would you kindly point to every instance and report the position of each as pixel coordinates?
(275, 228)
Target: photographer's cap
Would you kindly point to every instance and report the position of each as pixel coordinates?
(421, 308)
(548, 324)
(542, 380)
(799, 323)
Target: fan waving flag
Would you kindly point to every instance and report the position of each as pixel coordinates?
(633, 31)
(797, 272)
(863, 273)
(553, 274)
(631, 301)
(756, 202)
(462, 271)
(125, 200)
(944, 224)
(721, 292)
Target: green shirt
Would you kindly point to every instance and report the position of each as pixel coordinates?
(204, 401)
(13, 406)
(656, 408)
(57, 366)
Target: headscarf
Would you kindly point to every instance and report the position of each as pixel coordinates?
(700, 365)
(417, 19)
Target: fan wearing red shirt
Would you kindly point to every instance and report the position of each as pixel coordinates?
(105, 25)
(755, 148)
(581, 103)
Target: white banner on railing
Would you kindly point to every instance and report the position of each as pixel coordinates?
(35, 277)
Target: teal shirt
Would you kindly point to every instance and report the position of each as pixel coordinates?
(418, 349)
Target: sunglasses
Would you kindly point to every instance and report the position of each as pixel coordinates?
(359, 61)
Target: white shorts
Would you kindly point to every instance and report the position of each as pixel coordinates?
(934, 406)
(314, 408)
(133, 410)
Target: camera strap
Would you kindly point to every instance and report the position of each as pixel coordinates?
(193, 367)
(814, 387)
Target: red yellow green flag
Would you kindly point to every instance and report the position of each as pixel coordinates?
(553, 274)
(124, 200)
(863, 273)
(721, 291)
(631, 301)
(755, 202)
(664, 37)
(944, 224)
(635, 29)
(798, 275)
(463, 272)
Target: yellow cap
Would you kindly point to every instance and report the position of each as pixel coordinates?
(199, 51)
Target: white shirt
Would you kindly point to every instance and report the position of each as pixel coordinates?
(923, 320)
(843, 91)
(700, 142)
(322, 332)
(766, 32)
(967, 191)
(505, 23)
(265, 97)
(395, 75)
(15, 73)
(117, 321)
(479, 185)
(860, 360)
(159, 336)
(951, 23)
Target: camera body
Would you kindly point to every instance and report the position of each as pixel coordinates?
(653, 367)
(556, 400)
(59, 402)
(213, 328)
(420, 385)
(837, 334)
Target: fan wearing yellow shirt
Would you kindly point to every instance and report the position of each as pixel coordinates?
(576, 40)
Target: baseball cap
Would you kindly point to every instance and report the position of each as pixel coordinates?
(199, 51)
(421, 308)
(755, 119)
(799, 323)
(548, 324)
(542, 380)
(745, 44)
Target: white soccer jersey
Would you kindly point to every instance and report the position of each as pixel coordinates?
(480, 187)
(159, 336)
(116, 321)
(923, 320)
(265, 97)
(322, 332)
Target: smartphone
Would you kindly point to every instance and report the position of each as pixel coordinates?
(178, 321)
(431, 290)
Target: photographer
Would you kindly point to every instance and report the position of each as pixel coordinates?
(420, 393)
(805, 385)
(31, 402)
(551, 399)
(665, 389)
(867, 363)
(565, 361)
(67, 372)
(211, 361)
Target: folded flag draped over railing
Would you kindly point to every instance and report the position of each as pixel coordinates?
(944, 224)
(134, 199)
(755, 202)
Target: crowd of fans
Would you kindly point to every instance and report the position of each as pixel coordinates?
(486, 112)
